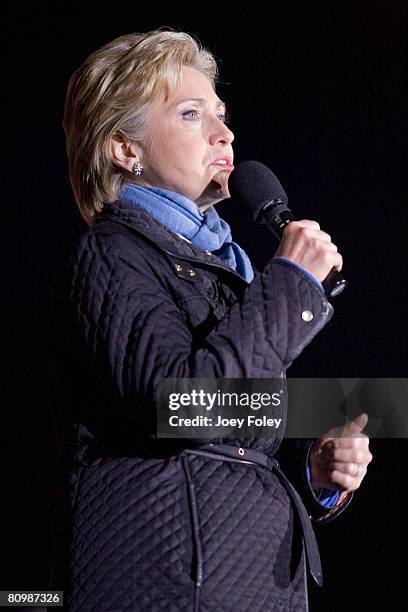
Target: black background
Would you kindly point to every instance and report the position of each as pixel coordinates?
(317, 95)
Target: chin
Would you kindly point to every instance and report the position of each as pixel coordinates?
(216, 191)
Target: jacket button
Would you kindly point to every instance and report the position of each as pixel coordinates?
(178, 267)
(191, 272)
(307, 315)
(241, 451)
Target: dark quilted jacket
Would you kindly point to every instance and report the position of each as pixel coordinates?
(144, 524)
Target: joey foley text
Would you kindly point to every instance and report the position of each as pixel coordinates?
(219, 400)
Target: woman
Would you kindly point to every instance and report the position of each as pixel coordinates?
(156, 288)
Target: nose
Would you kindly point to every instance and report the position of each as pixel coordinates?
(221, 133)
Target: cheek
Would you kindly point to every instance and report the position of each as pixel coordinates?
(186, 147)
(181, 152)
(188, 163)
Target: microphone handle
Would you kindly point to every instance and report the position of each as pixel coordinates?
(276, 215)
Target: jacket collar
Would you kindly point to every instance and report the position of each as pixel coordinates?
(139, 220)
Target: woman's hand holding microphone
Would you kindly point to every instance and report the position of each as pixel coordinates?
(304, 243)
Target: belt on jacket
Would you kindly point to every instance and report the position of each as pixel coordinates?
(243, 455)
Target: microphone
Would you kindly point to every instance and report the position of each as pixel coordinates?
(258, 190)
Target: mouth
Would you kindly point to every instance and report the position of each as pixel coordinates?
(224, 163)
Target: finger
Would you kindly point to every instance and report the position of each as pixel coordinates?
(345, 481)
(307, 223)
(362, 441)
(333, 438)
(321, 242)
(321, 235)
(357, 470)
(350, 455)
(356, 425)
(338, 262)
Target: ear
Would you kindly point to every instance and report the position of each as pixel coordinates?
(123, 151)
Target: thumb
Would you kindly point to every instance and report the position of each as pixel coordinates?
(355, 426)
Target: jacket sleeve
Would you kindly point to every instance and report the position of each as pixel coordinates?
(135, 333)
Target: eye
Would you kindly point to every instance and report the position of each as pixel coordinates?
(194, 114)
(225, 118)
(192, 111)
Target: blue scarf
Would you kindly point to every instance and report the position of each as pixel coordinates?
(182, 216)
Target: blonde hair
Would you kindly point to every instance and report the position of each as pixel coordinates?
(110, 93)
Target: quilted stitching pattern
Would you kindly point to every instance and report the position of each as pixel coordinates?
(242, 510)
(122, 319)
(131, 540)
(132, 527)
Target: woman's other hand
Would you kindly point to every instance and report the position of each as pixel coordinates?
(340, 458)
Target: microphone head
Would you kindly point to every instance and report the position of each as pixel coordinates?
(253, 185)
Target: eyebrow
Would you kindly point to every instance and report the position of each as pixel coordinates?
(202, 101)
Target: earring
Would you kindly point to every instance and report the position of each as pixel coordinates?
(137, 168)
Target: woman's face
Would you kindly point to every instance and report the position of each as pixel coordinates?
(187, 134)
